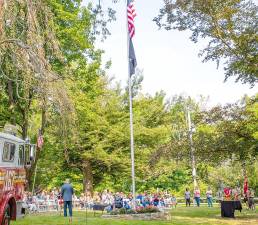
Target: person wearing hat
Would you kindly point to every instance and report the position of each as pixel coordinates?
(67, 195)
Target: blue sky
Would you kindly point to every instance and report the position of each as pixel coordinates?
(169, 59)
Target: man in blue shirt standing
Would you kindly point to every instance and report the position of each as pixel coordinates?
(67, 195)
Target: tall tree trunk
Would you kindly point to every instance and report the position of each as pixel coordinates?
(11, 101)
(25, 125)
(30, 172)
(87, 178)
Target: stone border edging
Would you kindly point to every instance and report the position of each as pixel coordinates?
(140, 216)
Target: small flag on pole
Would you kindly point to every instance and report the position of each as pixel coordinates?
(131, 14)
(245, 185)
(40, 140)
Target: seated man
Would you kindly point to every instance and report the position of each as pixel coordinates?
(32, 203)
(118, 201)
(156, 201)
(82, 201)
(146, 202)
(126, 202)
(161, 202)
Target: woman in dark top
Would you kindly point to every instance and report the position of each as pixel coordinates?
(187, 197)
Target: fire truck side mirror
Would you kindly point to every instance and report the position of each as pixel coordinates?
(32, 153)
(29, 155)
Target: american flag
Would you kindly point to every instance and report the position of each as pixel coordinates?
(131, 31)
(245, 185)
(131, 14)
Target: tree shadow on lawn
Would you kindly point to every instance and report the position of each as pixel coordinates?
(191, 216)
(204, 215)
(179, 216)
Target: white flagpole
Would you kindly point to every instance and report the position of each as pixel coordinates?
(190, 133)
(132, 140)
(131, 114)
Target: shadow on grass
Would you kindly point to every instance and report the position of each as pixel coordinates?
(180, 216)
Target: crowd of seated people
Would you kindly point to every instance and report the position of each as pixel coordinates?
(122, 200)
(52, 201)
(41, 201)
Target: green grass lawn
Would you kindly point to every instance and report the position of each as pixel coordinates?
(180, 216)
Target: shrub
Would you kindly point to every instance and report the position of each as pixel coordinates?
(139, 210)
(148, 209)
(118, 211)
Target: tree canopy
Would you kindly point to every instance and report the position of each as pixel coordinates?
(52, 78)
(229, 26)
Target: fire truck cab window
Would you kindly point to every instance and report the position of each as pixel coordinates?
(8, 152)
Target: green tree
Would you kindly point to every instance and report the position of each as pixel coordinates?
(27, 41)
(44, 46)
(229, 132)
(229, 26)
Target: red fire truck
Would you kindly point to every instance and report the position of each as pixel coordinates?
(15, 155)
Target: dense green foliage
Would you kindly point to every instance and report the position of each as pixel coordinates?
(62, 90)
(225, 143)
(229, 26)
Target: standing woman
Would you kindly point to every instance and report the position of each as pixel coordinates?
(187, 197)
(197, 194)
(209, 197)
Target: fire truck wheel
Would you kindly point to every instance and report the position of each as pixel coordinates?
(7, 215)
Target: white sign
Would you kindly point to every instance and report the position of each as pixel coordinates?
(8, 180)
